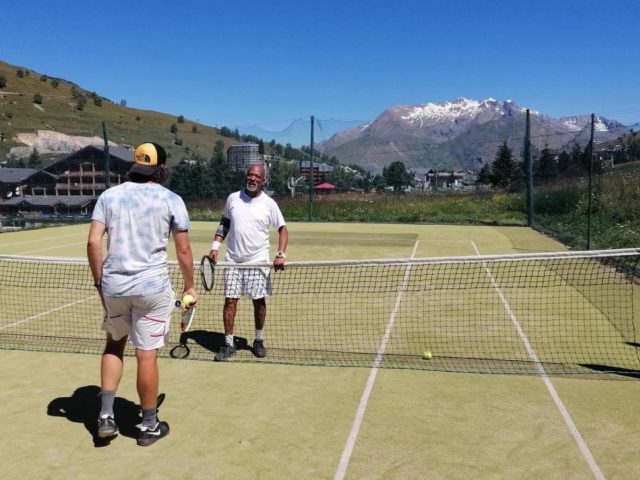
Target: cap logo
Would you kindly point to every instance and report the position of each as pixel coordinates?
(146, 155)
(143, 158)
(148, 158)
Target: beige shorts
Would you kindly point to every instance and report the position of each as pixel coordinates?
(254, 282)
(145, 319)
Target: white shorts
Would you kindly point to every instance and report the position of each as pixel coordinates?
(145, 319)
(254, 282)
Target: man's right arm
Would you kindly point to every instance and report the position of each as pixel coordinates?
(185, 260)
(94, 250)
(94, 254)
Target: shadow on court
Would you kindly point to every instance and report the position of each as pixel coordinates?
(210, 341)
(624, 372)
(83, 406)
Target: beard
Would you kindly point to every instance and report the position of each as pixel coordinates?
(252, 187)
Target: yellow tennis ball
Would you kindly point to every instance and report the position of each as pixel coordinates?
(427, 355)
(187, 299)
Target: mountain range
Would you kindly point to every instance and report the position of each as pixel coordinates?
(42, 113)
(462, 134)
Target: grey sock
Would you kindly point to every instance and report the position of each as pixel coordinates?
(149, 417)
(106, 398)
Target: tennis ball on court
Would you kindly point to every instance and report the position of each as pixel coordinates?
(187, 299)
(427, 355)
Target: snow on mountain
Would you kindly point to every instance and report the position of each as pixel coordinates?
(463, 133)
(580, 122)
(458, 109)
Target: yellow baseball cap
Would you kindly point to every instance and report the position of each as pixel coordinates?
(147, 158)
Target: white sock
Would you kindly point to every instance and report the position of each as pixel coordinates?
(259, 334)
(229, 340)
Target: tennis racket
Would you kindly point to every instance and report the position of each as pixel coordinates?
(206, 273)
(187, 317)
(180, 351)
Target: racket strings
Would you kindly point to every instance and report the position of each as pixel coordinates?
(206, 273)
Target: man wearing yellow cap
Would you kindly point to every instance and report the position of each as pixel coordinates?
(138, 217)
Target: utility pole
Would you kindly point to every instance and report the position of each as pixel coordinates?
(590, 182)
(529, 163)
(311, 174)
(107, 172)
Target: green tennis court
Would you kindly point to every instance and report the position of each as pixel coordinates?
(251, 419)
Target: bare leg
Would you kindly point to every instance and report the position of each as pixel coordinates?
(111, 364)
(259, 312)
(229, 314)
(148, 377)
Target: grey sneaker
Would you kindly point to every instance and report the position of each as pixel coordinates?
(225, 353)
(259, 350)
(149, 436)
(107, 427)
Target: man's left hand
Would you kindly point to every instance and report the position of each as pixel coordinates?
(278, 264)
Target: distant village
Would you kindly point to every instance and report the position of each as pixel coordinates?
(72, 184)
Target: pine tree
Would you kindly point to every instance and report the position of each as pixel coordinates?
(34, 159)
(223, 179)
(397, 176)
(564, 161)
(577, 156)
(484, 176)
(505, 172)
(547, 167)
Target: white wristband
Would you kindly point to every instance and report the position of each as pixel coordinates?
(215, 245)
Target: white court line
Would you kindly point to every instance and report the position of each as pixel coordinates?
(33, 317)
(582, 445)
(40, 240)
(50, 248)
(364, 400)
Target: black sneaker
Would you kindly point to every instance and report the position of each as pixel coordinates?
(149, 436)
(107, 427)
(259, 350)
(225, 353)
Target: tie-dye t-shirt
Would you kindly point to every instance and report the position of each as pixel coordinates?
(139, 218)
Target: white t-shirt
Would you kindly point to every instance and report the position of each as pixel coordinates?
(248, 237)
(139, 218)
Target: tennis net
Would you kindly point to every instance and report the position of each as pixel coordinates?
(555, 313)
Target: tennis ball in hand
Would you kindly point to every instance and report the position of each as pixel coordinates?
(187, 299)
(427, 355)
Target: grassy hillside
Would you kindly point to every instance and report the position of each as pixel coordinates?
(58, 111)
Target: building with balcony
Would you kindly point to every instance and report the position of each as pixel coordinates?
(86, 173)
(320, 170)
(70, 185)
(17, 182)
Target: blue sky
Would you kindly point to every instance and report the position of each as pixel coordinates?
(242, 63)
